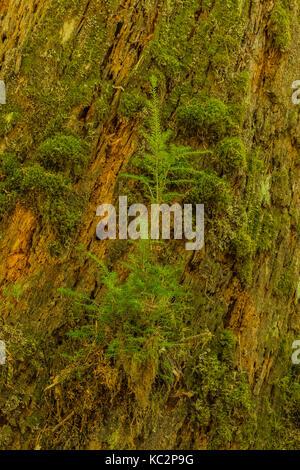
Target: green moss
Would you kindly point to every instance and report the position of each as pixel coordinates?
(281, 187)
(64, 214)
(131, 103)
(279, 414)
(298, 291)
(63, 153)
(57, 203)
(13, 292)
(103, 102)
(8, 120)
(7, 436)
(237, 112)
(209, 117)
(37, 180)
(243, 244)
(75, 60)
(261, 222)
(280, 25)
(61, 77)
(241, 83)
(10, 185)
(287, 284)
(222, 397)
(170, 48)
(232, 154)
(290, 389)
(10, 167)
(244, 248)
(226, 346)
(204, 49)
(270, 228)
(193, 52)
(212, 190)
(50, 193)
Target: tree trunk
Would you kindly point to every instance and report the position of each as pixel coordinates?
(225, 72)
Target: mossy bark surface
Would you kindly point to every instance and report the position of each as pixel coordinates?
(77, 75)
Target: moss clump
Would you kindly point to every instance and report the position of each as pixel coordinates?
(37, 180)
(280, 25)
(131, 103)
(52, 194)
(10, 168)
(232, 154)
(64, 153)
(209, 116)
(57, 203)
(210, 189)
(64, 214)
